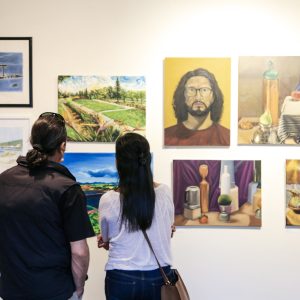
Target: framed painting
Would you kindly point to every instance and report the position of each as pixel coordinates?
(269, 100)
(101, 108)
(14, 140)
(217, 193)
(197, 101)
(96, 174)
(292, 199)
(15, 72)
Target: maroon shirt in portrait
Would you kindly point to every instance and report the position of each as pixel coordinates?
(179, 135)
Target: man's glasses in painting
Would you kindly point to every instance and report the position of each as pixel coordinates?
(191, 91)
(53, 115)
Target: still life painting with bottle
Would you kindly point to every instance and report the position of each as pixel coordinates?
(269, 100)
(217, 193)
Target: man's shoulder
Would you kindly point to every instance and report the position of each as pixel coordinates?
(9, 171)
(223, 134)
(172, 128)
(222, 128)
(174, 134)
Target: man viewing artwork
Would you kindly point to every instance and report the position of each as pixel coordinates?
(198, 104)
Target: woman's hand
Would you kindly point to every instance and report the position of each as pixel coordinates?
(173, 230)
(101, 243)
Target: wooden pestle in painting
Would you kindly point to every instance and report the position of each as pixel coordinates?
(204, 189)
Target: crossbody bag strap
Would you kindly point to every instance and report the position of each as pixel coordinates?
(163, 274)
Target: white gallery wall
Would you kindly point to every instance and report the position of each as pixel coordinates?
(132, 37)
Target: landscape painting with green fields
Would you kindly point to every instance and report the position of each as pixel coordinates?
(96, 174)
(101, 108)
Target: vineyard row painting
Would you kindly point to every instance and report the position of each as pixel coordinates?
(101, 108)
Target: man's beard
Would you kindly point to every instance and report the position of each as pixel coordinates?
(198, 112)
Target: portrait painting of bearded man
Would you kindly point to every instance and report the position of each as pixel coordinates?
(197, 102)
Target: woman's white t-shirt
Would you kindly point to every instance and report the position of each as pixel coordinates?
(129, 250)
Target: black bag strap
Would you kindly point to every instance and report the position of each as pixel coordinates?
(163, 274)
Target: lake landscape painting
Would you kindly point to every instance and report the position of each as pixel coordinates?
(96, 174)
(101, 108)
(14, 141)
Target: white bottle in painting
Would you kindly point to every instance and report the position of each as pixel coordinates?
(252, 188)
(253, 185)
(230, 170)
(225, 181)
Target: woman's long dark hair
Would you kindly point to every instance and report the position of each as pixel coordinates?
(47, 134)
(135, 181)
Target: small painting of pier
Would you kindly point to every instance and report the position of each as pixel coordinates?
(11, 72)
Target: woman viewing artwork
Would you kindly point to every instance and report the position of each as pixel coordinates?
(138, 204)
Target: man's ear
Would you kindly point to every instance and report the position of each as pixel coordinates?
(62, 147)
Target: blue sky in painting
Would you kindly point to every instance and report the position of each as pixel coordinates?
(12, 58)
(92, 167)
(8, 134)
(77, 83)
(14, 62)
